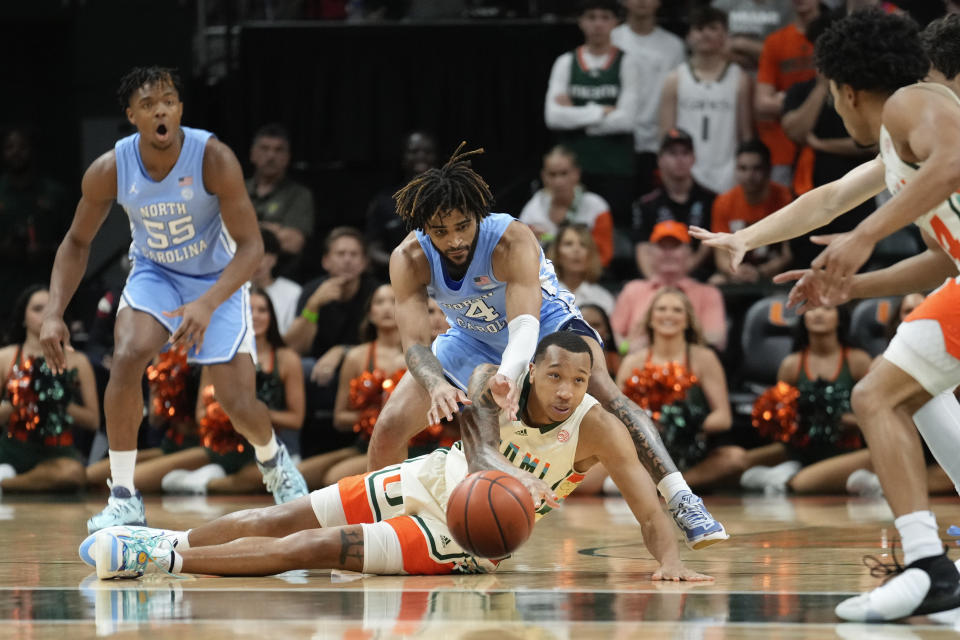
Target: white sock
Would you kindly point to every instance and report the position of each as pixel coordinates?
(919, 536)
(267, 451)
(671, 485)
(183, 541)
(938, 422)
(176, 566)
(121, 468)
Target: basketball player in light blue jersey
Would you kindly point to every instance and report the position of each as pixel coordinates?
(500, 295)
(195, 244)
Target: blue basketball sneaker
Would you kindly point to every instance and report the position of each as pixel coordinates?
(126, 555)
(282, 477)
(88, 548)
(695, 521)
(122, 508)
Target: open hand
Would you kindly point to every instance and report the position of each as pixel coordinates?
(676, 571)
(505, 394)
(55, 341)
(196, 318)
(539, 490)
(729, 242)
(840, 261)
(443, 402)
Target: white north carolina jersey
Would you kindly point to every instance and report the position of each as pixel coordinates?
(708, 112)
(548, 453)
(943, 221)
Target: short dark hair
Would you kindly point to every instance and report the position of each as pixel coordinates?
(566, 340)
(700, 17)
(272, 130)
(270, 242)
(455, 185)
(140, 76)
(941, 42)
(755, 146)
(603, 5)
(343, 232)
(872, 51)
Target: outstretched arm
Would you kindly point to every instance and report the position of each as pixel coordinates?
(602, 436)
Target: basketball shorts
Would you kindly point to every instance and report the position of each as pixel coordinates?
(394, 542)
(460, 352)
(153, 289)
(927, 344)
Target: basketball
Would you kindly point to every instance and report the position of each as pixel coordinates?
(490, 514)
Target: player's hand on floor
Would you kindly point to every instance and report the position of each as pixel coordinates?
(444, 399)
(677, 572)
(195, 319)
(505, 394)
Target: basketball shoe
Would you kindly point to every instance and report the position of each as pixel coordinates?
(282, 477)
(122, 508)
(127, 554)
(926, 586)
(699, 527)
(88, 548)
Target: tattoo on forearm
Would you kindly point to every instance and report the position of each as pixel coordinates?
(480, 420)
(351, 546)
(424, 366)
(646, 438)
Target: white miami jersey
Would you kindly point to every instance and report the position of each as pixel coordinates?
(943, 221)
(547, 452)
(707, 110)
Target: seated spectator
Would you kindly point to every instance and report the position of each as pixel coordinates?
(39, 408)
(661, 52)
(824, 369)
(563, 200)
(787, 59)
(591, 103)
(751, 21)
(709, 96)
(754, 198)
(577, 265)
(676, 344)
(679, 198)
(384, 228)
(596, 317)
(283, 206)
(223, 460)
(670, 245)
(34, 214)
(284, 293)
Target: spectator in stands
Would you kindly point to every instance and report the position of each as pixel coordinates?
(284, 293)
(787, 59)
(661, 51)
(283, 206)
(670, 252)
(754, 198)
(751, 21)
(39, 409)
(821, 353)
(33, 214)
(591, 103)
(577, 263)
(674, 337)
(679, 198)
(709, 96)
(599, 319)
(563, 200)
(385, 229)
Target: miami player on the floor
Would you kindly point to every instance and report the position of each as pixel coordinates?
(489, 276)
(873, 61)
(393, 520)
(195, 244)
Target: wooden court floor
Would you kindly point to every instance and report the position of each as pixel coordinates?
(584, 574)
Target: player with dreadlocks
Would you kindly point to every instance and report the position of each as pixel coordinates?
(500, 295)
(195, 244)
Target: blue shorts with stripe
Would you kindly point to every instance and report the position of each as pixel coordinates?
(460, 352)
(152, 289)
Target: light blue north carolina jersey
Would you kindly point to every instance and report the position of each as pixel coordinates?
(476, 306)
(174, 223)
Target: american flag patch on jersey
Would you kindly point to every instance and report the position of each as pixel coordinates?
(185, 181)
(482, 281)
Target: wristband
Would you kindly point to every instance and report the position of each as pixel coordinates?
(311, 316)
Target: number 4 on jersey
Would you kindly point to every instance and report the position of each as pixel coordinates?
(480, 310)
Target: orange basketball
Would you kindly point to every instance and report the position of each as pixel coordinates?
(490, 514)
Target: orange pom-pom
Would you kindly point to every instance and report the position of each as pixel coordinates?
(657, 385)
(774, 413)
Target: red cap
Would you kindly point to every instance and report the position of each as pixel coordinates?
(670, 229)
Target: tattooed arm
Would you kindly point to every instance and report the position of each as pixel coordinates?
(480, 433)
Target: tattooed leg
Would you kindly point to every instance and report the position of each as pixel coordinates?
(646, 437)
(333, 548)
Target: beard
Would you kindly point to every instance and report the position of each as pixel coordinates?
(455, 270)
